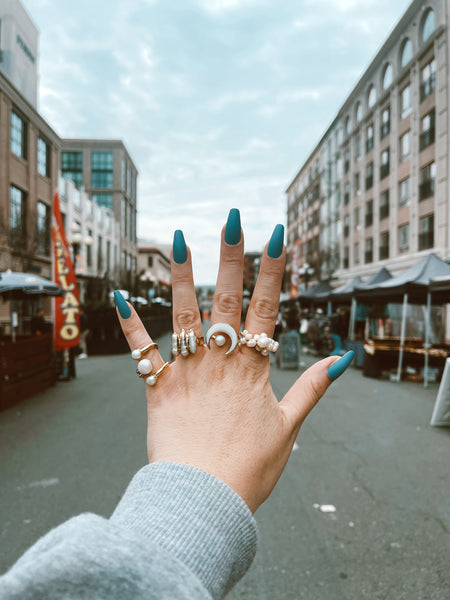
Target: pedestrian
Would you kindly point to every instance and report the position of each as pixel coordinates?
(84, 333)
(38, 324)
(218, 441)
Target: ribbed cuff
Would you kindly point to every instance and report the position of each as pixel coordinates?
(194, 516)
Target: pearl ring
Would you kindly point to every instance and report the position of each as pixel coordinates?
(260, 341)
(185, 342)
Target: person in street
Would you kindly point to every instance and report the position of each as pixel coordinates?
(84, 329)
(340, 323)
(38, 324)
(218, 440)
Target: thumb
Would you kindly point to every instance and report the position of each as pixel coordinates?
(311, 386)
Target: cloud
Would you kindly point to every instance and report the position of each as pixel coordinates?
(217, 7)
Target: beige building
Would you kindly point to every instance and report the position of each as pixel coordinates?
(107, 173)
(155, 279)
(384, 160)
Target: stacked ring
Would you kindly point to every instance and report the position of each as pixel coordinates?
(260, 341)
(144, 370)
(185, 342)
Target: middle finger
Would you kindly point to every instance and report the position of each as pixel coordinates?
(227, 303)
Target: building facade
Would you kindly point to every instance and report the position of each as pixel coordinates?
(93, 235)
(155, 279)
(19, 42)
(107, 173)
(384, 160)
(29, 159)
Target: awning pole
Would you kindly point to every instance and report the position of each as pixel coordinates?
(427, 339)
(402, 336)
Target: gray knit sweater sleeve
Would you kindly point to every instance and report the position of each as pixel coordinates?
(178, 533)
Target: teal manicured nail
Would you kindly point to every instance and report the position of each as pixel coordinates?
(338, 367)
(276, 242)
(122, 306)
(179, 250)
(233, 227)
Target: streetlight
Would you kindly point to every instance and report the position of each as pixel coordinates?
(305, 272)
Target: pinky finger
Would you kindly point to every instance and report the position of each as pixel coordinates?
(134, 331)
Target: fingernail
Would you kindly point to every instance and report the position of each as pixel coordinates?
(233, 227)
(122, 306)
(179, 250)
(338, 367)
(276, 242)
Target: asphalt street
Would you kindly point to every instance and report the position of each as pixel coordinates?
(367, 452)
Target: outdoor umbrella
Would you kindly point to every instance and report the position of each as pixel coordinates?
(20, 286)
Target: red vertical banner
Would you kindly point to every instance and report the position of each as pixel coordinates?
(67, 307)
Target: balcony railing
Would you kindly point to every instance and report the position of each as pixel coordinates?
(426, 189)
(426, 240)
(426, 138)
(384, 252)
(384, 211)
(427, 87)
(384, 171)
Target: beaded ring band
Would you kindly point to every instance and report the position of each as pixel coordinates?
(260, 341)
(152, 377)
(185, 342)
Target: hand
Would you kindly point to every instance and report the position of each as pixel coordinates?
(218, 412)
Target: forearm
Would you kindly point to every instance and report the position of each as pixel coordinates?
(177, 532)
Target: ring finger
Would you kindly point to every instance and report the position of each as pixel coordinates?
(263, 310)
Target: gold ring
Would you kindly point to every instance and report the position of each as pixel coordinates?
(137, 354)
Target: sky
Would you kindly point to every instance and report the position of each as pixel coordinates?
(219, 102)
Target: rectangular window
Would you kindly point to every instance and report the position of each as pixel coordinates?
(103, 200)
(384, 245)
(428, 80)
(345, 258)
(427, 128)
(124, 217)
(346, 225)
(428, 179)
(102, 169)
(346, 161)
(385, 163)
(17, 216)
(356, 217)
(356, 253)
(150, 261)
(403, 192)
(89, 250)
(369, 213)
(43, 157)
(368, 254)
(43, 229)
(369, 137)
(18, 135)
(384, 205)
(357, 147)
(369, 176)
(403, 238)
(405, 101)
(99, 254)
(72, 167)
(346, 194)
(357, 181)
(426, 235)
(404, 146)
(108, 256)
(385, 122)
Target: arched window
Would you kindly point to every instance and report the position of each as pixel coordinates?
(388, 76)
(372, 96)
(405, 52)
(358, 112)
(427, 25)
